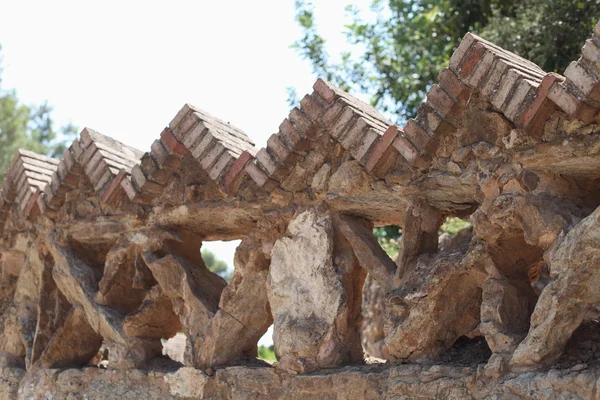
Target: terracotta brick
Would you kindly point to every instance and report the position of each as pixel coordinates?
(288, 134)
(76, 150)
(41, 204)
(353, 134)
(181, 115)
(364, 144)
(257, 175)
(493, 79)
(406, 148)
(222, 165)
(207, 143)
(540, 109)
(428, 119)
(172, 144)
(186, 125)
(31, 209)
(332, 114)
(114, 191)
(471, 59)
(128, 188)
(453, 86)
(234, 174)
(148, 165)
(460, 52)
(416, 134)
(583, 80)
(343, 123)
(381, 147)
(481, 71)
(195, 135)
(591, 54)
(266, 161)
(324, 90)
(440, 100)
(104, 180)
(277, 148)
(522, 95)
(507, 85)
(158, 152)
(211, 157)
(303, 125)
(138, 179)
(310, 107)
(567, 101)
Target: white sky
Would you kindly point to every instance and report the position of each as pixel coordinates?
(124, 68)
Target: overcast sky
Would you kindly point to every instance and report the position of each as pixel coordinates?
(124, 68)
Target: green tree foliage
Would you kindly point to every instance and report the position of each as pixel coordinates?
(266, 353)
(215, 265)
(28, 127)
(399, 47)
(550, 33)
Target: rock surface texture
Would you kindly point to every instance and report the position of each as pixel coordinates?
(100, 251)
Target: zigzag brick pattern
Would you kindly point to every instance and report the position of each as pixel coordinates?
(514, 86)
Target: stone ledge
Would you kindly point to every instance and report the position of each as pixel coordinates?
(375, 381)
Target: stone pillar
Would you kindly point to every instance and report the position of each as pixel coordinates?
(314, 289)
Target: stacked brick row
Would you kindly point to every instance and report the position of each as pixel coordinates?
(218, 146)
(524, 93)
(27, 176)
(105, 162)
(579, 93)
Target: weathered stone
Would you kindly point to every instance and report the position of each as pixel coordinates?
(563, 304)
(320, 332)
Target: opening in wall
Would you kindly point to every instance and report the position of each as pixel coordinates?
(266, 350)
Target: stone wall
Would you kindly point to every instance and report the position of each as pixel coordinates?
(100, 251)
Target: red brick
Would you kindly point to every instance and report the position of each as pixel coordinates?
(304, 126)
(450, 82)
(288, 134)
(491, 82)
(128, 188)
(481, 71)
(114, 192)
(507, 84)
(172, 144)
(353, 134)
(343, 123)
(381, 147)
(331, 115)
(277, 148)
(266, 161)
(471, 60)
(591, 53)
(562, 97)
(522, 95)
(364, 144)
(583, 80)
(257, 175)
(235, 173)
(540, 109)
(417, 134)
(311, 108)
(194, 135)
(324, 90)
(440, 100)
(211, 157)
(222, 164)
(460, 52)
(31, 209)
(159, 153)
(406, 148)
